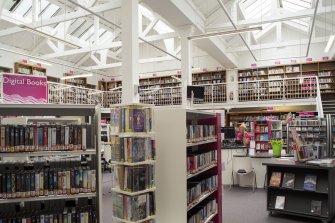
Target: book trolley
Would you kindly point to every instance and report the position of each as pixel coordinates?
(50, 172)
(133, 160)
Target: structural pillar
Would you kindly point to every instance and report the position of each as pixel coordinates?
(186, 62)
(130, 52)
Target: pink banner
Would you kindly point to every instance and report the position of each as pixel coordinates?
(25, 89)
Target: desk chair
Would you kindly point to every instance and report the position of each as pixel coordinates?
(242, 166)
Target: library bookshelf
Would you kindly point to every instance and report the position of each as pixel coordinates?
(68, 151)
(324, 70)
(28, 69)
(174, 178)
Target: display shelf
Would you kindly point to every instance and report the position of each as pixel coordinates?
(49, 153)
(298, 190)
(147, 162)
(29, 69)
(133, 193)
(199, 200)
(301, 214)
(48, 198)
(201, 142)
(189, 176)
(139, 221)
(134, 134)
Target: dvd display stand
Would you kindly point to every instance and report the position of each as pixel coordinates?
(50, 171)
(133, 159)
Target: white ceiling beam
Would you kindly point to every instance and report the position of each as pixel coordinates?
(243, 13)
(276, 45)
(181, 13)
(119, 64)
(274, 18)
(149, 27)
(83, 59)
(296, 26)
(2, 4)
(105, 46)
(264, 32)
(57, 19)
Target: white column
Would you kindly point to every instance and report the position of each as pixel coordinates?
(130, 51)
(186, 62)
(34, 10)
(96, 30)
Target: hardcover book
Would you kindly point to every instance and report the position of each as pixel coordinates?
(275, 179)
(280, 202)
(139, 120)
(288, 180)
(316, 207)
(139, 207)
(310, 182)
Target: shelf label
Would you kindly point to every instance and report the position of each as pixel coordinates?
(154, 75)
(293, 61)
(39, 65)
(270, 108)
(325, 58)
(18, 89)
(253, 65)
(309, 59)
(277, 62)
(103, 121)
(24, 61)
(204, 69)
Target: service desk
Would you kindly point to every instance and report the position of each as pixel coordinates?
(257, 163)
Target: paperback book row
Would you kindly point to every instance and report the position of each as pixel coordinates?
(134, 208)
(131, 119)
(197, 133)
(197, 189)
(263, 146)
(262, 137)
(132, 149)
(316, 123)
(197, 162)
(73, 215)
(287, 180)
(134, 178)
(261, 129)
(31, 138)
(204, 213)
(316, 206)
(32, 182)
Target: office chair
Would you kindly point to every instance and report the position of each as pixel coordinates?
(242, 166)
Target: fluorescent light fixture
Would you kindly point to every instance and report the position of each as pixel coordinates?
(116, 88)
(330, 43)
(76, 76)
(228, 32)
(41, 62)
(48, 36)
(59, 89)
(196, 69)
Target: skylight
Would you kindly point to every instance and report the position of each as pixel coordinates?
(256, 8)
(296, 5)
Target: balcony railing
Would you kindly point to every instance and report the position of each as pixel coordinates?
(259, 90)
(278, 89)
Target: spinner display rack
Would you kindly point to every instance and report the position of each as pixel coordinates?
(68, 200)
(133, 159)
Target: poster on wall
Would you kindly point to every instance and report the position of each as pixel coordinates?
(23, 89)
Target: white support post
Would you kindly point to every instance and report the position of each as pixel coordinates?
(279, 32)
(130, 51)
(96, 30)
(186, 63)
(34, 10)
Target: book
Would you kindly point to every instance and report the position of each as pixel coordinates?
(316, 207)
(280, 202)
(139, 120)
(310, 182)
(138, 150)
(288, 180)
(139, 207)
(275, 179)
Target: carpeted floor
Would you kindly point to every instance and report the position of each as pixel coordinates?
(241, 205)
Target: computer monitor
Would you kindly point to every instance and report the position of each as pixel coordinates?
(229, 132)
(198, 92)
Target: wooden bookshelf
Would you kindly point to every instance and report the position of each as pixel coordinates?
(28, 69)
(53, 79)
(5, 70)
(79, 82)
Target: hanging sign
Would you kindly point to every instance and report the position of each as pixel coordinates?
(253, 65)
(309, 59)
(18, 89)
(306, 114)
